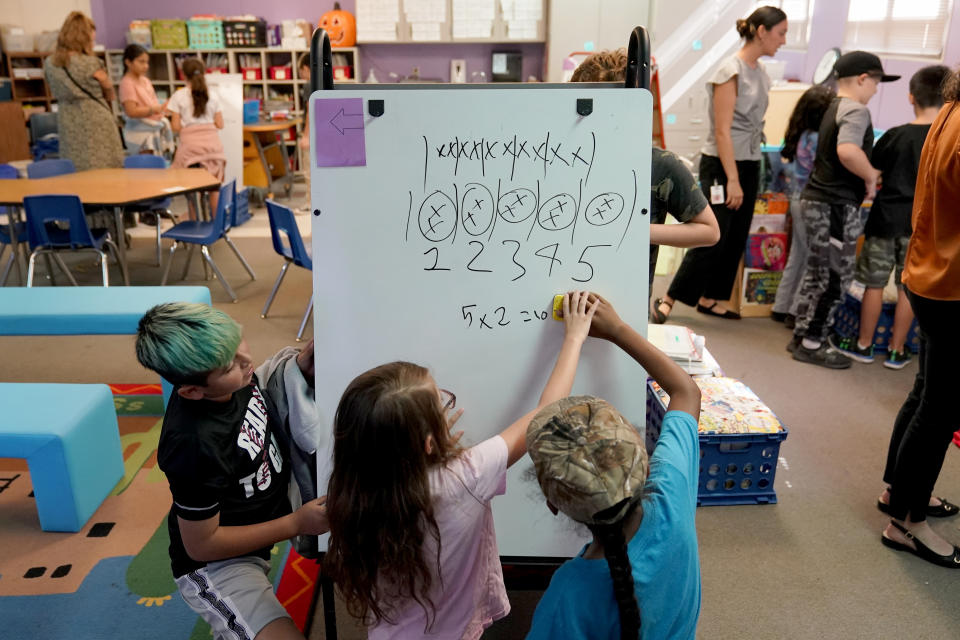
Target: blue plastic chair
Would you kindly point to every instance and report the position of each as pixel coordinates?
(57, 223)
(204, 234)
(159, 206)
(19, 230)
(282, 223)
(49, 168)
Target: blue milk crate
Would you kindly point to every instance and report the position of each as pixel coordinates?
(735, 468)
(846, 322)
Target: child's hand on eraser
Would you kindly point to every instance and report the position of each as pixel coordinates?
(576, 311)
(606, 322)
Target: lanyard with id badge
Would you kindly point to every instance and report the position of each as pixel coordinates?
(716, 193)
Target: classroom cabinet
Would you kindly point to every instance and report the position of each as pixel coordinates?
(465, 21)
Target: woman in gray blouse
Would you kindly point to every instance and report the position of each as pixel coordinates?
(730, 164)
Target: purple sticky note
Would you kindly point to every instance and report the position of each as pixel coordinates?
(338, 132)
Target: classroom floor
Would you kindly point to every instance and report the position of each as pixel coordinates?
(811, 566)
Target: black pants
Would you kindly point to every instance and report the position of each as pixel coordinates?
(710, 271)
(926, 422)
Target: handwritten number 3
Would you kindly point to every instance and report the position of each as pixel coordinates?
(516, 250)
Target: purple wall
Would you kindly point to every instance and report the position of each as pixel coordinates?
(890, 106)
(113, 17)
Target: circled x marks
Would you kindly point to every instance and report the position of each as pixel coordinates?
(604, 209)
(437, 217)
(558, 212)
(517, 205)
(477, 209)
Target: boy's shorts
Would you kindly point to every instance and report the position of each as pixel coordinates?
(234, 596)
(878, 257)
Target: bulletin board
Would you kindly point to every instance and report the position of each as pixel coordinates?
(444, 222)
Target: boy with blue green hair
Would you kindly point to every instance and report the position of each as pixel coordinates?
(230, 434)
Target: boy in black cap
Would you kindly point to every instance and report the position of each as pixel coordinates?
(830, 205)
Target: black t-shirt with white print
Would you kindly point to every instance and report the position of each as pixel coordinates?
(214, 457)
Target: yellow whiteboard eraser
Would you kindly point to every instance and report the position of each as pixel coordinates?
(558, 307)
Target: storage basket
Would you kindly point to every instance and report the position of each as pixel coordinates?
(252, 73)
(205, 33)
(245, 33)
(251, 111)
(735, 468)
(281, 73)
(139, 33)
(846, 323)
(169, 34)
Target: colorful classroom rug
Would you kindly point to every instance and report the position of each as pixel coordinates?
(112, 579)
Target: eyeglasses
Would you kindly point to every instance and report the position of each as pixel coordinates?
(449, 400)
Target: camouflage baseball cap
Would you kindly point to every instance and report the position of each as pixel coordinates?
(588, 458)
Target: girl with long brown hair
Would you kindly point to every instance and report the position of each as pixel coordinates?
(196, 115)
(86, 124)
(412, 546)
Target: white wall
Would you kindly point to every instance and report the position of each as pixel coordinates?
(571, 23)
(32, 18)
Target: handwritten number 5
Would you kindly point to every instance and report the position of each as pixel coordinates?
(466, 314)
(589, 266)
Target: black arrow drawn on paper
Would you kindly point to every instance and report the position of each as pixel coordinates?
(338, 121)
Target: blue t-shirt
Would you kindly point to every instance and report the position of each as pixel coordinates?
(579, 603)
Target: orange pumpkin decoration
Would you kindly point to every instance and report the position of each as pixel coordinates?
(340, 25)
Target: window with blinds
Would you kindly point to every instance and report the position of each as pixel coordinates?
(799, 16)
(898, 27)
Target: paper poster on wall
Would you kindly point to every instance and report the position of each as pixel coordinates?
(338, 127)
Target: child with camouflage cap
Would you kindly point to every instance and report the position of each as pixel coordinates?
(592, 464)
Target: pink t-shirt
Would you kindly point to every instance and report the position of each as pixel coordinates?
(139, 90)
(472, 595)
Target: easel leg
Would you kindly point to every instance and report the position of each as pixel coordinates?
(329, 605)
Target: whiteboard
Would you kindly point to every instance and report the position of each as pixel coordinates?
(229, 90)
(443, 228)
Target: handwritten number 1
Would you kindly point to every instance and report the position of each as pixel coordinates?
(436, 259)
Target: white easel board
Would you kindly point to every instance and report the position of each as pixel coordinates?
(442, 230)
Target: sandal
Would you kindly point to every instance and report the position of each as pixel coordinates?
(729, 315)
(951, 561)
(657, 316)
(943, 510)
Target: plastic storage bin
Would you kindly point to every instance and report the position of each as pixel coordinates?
(15, 39)
(139, 33)
(245, 33)
(342, 72)
(251, 111)
(169, 34)
(252, 73)
(205, 32)
(735, 468)
(281, 73)
(846, 322)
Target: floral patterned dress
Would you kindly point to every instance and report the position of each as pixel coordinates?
(87, 127)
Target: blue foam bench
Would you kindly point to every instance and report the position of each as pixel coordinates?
(48, 311)
(69, 436)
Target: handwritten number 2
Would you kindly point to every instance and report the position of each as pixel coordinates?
(516, 250)
(503, 314)
(436, 259)
(470, 264)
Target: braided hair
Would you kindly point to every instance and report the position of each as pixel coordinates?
(610, 537)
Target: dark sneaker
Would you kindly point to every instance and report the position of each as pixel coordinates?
(790, 321)
(776, 316)
(825, 356)
(794, 341)
(850, 348)
(897, 359)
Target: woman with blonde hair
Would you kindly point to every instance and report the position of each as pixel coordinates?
(89, 134)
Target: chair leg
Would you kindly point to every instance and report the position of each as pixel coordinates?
(56, 256)
(166, 269)
(186, 266)
(115, 252)
(165, 213)
(30, 268)
(276, 287)
(46, 258)
(159, 246)
(205, 252)
(306, 316)
(7, 266)
(246, 266)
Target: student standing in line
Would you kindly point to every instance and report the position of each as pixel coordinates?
(412, 546)
(799, 150)
(897, 157)
(730, 165)
(830, 206)
(641, 571)
(931, 276)
(673, 188)
(195, 115)
(146, 130)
